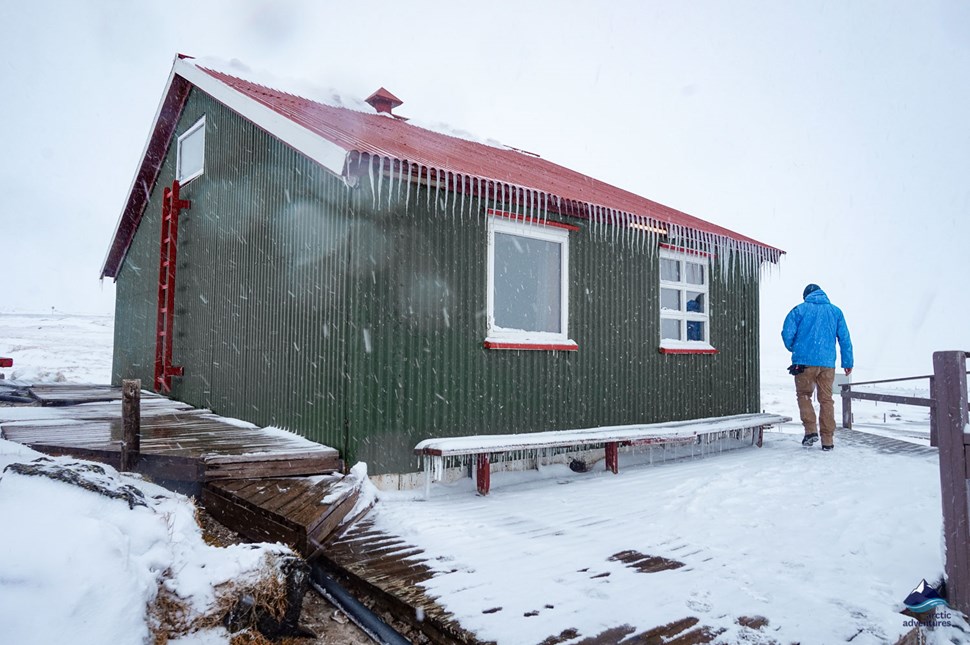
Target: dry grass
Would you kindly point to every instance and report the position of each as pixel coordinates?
(172, 617)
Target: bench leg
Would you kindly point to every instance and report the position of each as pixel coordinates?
(483, 474)
(613, 457)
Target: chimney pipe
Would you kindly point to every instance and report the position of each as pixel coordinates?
(383, 101)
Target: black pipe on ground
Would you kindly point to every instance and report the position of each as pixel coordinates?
(13, 398)
(363, 617)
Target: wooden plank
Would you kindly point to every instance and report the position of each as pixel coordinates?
(323, 525)
(314, 452)
(253, 525)
(107, 456)
(170, 468)
(261, 509)
(271, 469)
(312, 508)
(892, 398)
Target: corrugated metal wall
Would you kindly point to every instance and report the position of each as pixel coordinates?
(302, 303)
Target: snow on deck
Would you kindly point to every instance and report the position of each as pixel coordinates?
(824, 545)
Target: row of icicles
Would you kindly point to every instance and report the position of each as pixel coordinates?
(702, 445)
(391, 182)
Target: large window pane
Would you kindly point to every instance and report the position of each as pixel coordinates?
(669, 329)
(528, 283)
(670, 299)
(694, 273)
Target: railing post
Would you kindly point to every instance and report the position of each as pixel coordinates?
(847, 406)
(950, 375)
(934, 433)
(130, 423)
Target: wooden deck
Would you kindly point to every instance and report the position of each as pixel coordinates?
(263, 483)
(178, 443)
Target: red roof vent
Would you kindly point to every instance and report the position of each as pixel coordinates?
(383, 101)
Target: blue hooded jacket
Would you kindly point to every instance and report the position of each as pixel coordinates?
(811, 329)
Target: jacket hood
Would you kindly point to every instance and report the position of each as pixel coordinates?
(817, 297)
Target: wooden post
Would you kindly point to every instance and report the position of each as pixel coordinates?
(950, 377)
(934, 433)
(131, 423)
(847, 406)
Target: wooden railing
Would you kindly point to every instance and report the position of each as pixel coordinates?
(949, 405)
(848, 394)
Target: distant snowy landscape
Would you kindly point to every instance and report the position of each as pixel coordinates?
(824, 546)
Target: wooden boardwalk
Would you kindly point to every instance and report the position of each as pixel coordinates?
(178, 443)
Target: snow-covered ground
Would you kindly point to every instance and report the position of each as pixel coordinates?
(824, 545)
(79, 567)
(56, 347)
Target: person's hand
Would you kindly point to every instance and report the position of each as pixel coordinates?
(848, 371)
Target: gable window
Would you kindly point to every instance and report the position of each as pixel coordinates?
(190, 159)
(685, 314)
(528, 286)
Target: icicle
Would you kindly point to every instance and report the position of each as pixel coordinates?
(373, 188)
(390, 182)
(407, 196)
(427, 171)
(380, 179)
(461, 210)
(437, 189)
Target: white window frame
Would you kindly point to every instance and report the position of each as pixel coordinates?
(497, 334)
(682, 316)
(196, 127)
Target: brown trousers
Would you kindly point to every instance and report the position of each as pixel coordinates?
(820, 380)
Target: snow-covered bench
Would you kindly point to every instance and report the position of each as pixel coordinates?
(485, 447)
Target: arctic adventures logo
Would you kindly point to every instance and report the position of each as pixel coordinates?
(926, 598)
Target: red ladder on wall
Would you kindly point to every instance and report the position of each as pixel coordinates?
(164, 370)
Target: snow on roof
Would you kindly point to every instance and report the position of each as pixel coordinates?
(333, 130)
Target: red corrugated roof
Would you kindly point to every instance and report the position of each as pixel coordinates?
(379, 135)
(385, 136)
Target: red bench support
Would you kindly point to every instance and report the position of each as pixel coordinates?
(613, 457)
(483, 474)
(6, 362)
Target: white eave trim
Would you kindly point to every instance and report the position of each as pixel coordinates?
(327, 154)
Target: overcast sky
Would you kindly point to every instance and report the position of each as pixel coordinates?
(837, 131)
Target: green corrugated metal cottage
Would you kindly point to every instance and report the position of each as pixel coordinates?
(368, 283)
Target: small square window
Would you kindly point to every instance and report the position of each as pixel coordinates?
(190, 159)
(684, 309)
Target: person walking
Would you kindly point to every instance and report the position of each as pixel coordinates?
(810, 332)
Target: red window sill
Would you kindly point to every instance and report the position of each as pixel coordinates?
(547, 347)
(679, 350)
